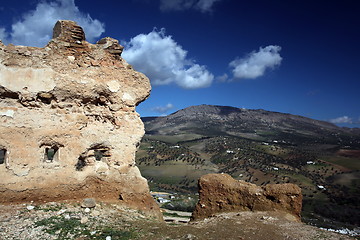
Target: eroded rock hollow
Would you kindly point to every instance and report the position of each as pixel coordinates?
(68, 125)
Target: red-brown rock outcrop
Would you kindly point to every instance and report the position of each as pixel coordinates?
(68, 126)
(221, 193)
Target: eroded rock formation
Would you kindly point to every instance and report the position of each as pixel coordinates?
(68, 126)
(221, 193)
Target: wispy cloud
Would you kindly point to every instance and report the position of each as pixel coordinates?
(205, 5)
(3, 34)
(163, 109)
(178, 5)
(164, 61)
(255, 64)
(35, 26)
(344, 119)
(222, 78)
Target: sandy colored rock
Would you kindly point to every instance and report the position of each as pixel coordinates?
(221, 193)
(68, 125)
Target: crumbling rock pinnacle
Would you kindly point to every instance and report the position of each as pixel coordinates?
(68, 31)
(111, 45)
(68, 125)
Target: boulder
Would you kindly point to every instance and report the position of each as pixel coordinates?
(221, 193)
(88, 203)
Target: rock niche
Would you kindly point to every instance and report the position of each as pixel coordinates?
(68, 125)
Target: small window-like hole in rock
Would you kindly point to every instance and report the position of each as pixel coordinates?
(45, 97)
(51, 154)
(93, 154)
(271, 198)
(80, 164)
(99, 154)
(2, 156)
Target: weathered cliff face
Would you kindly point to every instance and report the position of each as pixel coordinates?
(221, 193)
(68, 126)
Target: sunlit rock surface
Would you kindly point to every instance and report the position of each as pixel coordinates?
(221, 193)
(68, 125)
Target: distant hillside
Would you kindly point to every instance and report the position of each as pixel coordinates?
(211, 120)
(260, 147)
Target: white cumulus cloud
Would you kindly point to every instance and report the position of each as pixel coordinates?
(163, 109)
(256, 63)
(164, 61)
(35, 26)
(176, 5)
(344, 119)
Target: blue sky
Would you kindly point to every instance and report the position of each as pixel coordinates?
(298, 57)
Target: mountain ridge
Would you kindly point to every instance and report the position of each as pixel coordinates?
(225, 110)
(256, 123)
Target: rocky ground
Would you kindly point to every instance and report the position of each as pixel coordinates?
(110, 221)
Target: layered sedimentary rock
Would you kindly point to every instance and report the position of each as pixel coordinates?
(221, 193)
(68, 126)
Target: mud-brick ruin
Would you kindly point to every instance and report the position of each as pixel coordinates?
(68, 125)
